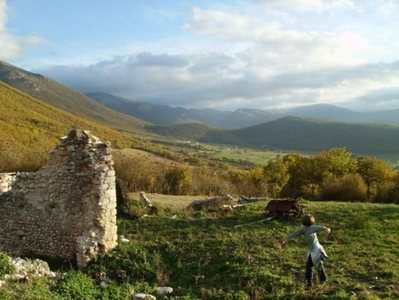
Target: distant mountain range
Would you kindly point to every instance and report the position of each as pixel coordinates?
(339, 114)
(241, 118)
(166, 115)
(310, 128)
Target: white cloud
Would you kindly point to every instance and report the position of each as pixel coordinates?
(309, 5)
(32, 40)
(9, 49)
(13, 46)
(273, 46)
(222, 24)
(389, 8)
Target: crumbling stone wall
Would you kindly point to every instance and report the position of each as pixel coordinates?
(65, 210)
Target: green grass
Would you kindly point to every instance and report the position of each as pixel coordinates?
(215, 258)
(204, 256)
(257, 157)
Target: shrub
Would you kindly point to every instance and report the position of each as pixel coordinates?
(133, 173)
(179, 180)
(347, 188)
(387, 193)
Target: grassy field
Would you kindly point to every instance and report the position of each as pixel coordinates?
(254, 156)
(213, 256)
(205, 255)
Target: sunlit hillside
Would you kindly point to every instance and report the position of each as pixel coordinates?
(30, 127)
(62, 97)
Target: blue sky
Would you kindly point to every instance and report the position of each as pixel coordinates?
(226, 55)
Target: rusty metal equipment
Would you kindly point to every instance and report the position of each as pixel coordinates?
(280, 208)
(284, 208)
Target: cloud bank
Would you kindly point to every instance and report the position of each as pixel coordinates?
(271, 54)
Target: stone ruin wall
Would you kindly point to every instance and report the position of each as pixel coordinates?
(65, 210)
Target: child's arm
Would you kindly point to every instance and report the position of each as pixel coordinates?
(316, 228)
(301, 231)
(292, 235)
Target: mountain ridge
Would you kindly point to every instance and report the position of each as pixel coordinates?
(57, 95)
(30, 127)
(242, 117)
(166, 115)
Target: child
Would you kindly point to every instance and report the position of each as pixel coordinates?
(316, 253)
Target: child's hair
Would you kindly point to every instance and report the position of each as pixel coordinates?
(308, 220)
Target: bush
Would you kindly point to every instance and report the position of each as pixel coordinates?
(179, 181)
(348, 188)
(134, 174)
(387, 193)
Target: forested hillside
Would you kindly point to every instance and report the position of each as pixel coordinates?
(186, 131)
(296, 134)
(30, 127)
(57, 95)
(316, 135)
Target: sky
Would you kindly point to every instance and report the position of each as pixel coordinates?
(221, 54)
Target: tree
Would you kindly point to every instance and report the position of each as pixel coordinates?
(276, 176)
(331, 164)
(374, 173)
(257, 181)
(298, 174)
(327, 166)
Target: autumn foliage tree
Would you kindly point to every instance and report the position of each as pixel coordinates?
(375, 173)
(276, 177)
(178, 180)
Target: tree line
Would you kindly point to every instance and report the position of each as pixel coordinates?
(335, 174)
